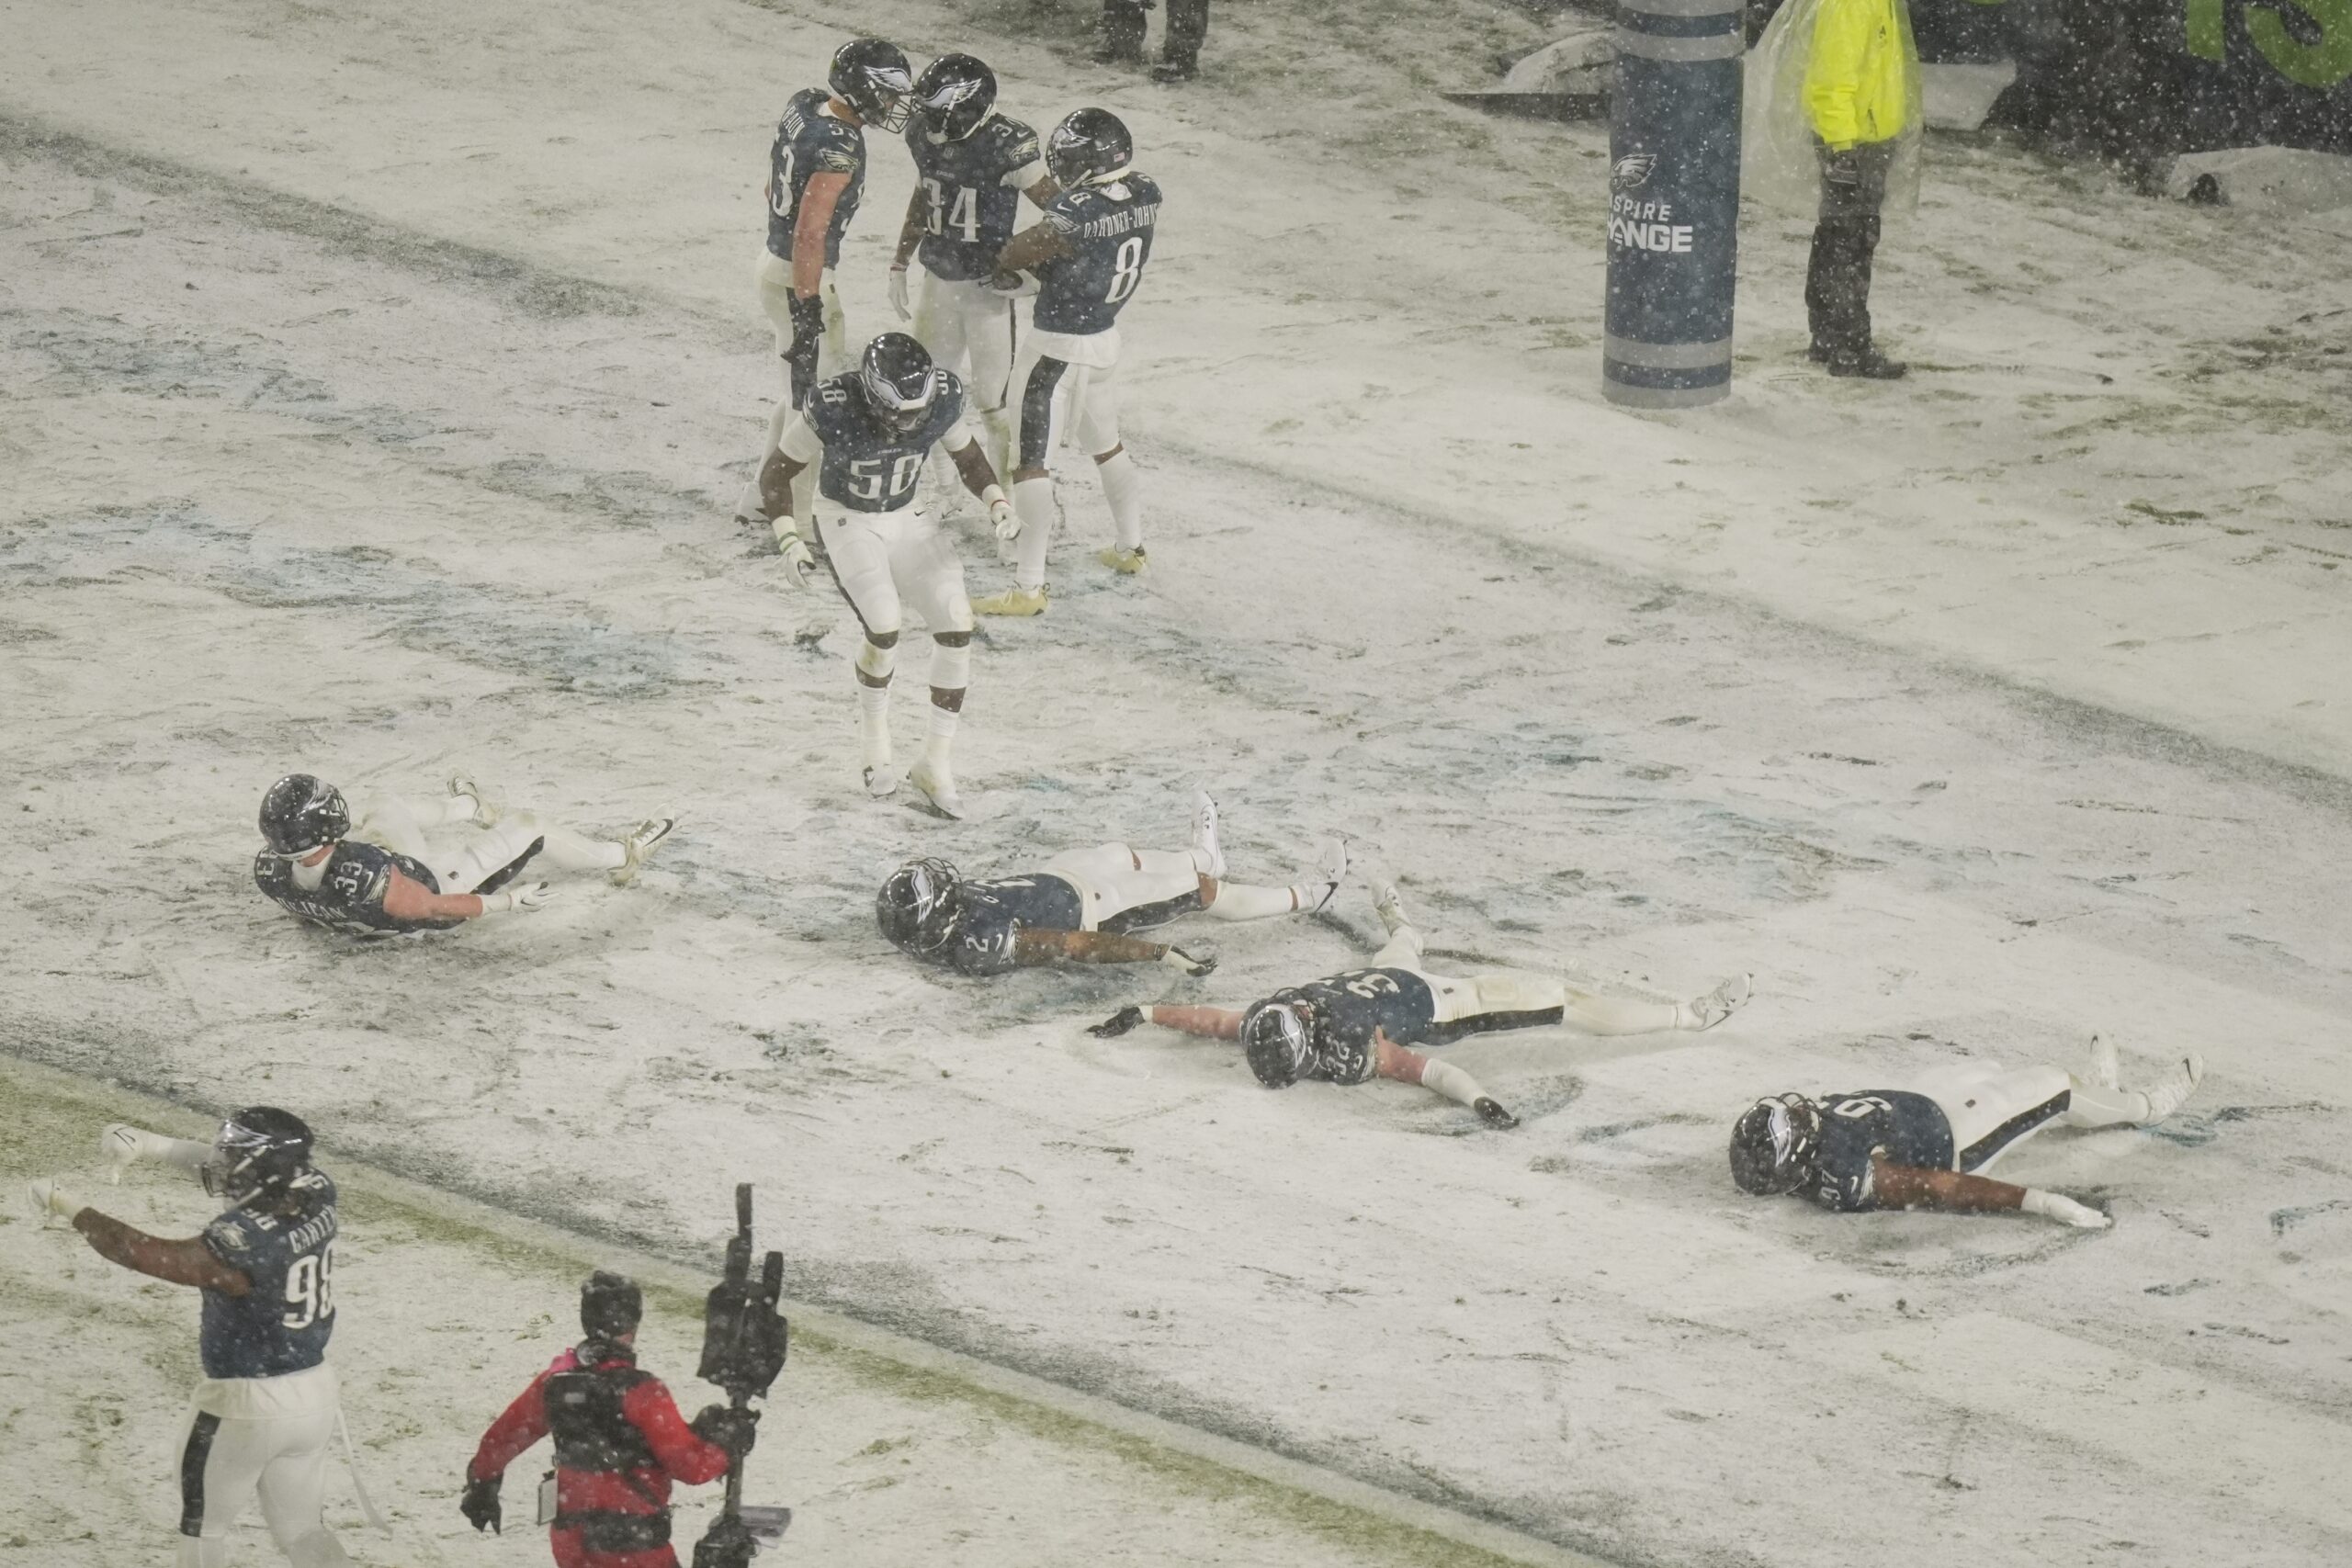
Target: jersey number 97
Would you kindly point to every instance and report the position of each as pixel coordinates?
(309, 1289)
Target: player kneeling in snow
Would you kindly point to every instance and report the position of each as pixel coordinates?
(1927, 1146)
(1084, 905)
(385, 875)
(265, 1408)
(1354, 1027)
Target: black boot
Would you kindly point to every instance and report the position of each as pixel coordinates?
(1869, 364)
(1180, 53)
(1122, 39)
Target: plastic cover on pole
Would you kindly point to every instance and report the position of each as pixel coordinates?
(1780, 153)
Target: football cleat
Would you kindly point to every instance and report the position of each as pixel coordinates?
(938, 786)
(2165, 1098)
(2106, 1066)
(1126, 561)
(1014, 601)
(1705, 1012)
(1208, 855)
(1390, 908)
(1331, 871)
(638, 848)
(487, 810)
(881, 780)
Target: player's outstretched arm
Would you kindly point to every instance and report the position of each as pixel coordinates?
(122, 1145)
(909, 236)
(188, 1262)
(1031, 947)
(1042, 191)
(1405, 1064)
(1908, 1187)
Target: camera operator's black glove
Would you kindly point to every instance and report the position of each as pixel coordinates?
(1843, 169)
(480, 1505)
(807, 332)
(730, 1428)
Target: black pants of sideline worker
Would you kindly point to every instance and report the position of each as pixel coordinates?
(1837, 278)
(1188, 28)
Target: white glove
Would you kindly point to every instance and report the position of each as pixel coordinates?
(2066, 1210)
(1001, 517)
(898, 291)
(796, 558)
(527, 896)
(50, 1199)
(122, 1145)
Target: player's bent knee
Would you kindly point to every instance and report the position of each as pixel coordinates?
(954, 640)
(882, 640)
(1101, 457)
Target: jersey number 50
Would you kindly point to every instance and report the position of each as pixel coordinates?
(309, 1287)
(868, 483)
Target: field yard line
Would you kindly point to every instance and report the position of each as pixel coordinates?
(833, 1331)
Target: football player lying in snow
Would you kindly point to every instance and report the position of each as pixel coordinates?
(1351, 1028)
(1083, 906)
(1928, 1145)
(385, 875)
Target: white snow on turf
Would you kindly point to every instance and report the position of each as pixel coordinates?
(1794, 687)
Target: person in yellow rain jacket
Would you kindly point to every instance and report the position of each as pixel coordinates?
(1862, 100)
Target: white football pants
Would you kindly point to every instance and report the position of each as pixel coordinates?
(1993, 1109)
(1124, 890)
(264, 1438)
(888, 562)
(1509, 991)
(461, 863)
(961, 322)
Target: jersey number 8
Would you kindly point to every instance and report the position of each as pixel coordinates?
(868, 483)
(1127, 270)
(309, 1287)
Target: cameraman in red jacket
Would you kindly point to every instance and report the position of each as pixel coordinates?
(619, 1442)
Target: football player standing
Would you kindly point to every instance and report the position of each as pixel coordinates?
(866, 435)
(266, 1409)
(1087, 252)
(815, 177)
(972, 167)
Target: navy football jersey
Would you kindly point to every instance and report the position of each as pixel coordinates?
(282, 1325)
(969, 194)
(809, 142)
(350, 898)
(1397, 1002)
(868, 464)
(1906, 1128)
(1108, 228)
(989, 916)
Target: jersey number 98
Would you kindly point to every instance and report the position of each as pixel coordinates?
(309, 1287)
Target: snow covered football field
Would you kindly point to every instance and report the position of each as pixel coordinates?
(375, 381)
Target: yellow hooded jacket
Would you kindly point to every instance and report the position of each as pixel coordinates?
(1861, 74)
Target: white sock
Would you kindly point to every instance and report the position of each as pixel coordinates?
(563, 849)
(1121, 485)
(1033, 500)
(2091, 1105)
(1242, 901)
(874, 725)
(941, 738)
